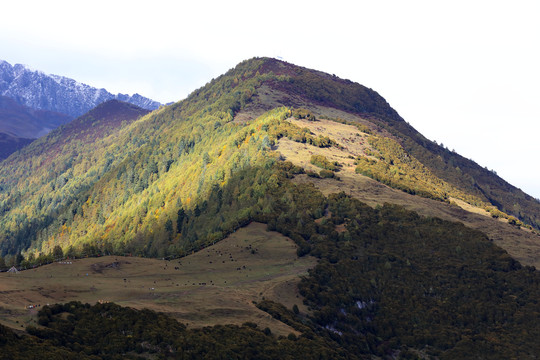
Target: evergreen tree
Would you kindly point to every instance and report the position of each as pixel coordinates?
(57, 252)
(180, 220)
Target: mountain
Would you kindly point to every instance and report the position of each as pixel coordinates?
(57, 93)
(419, 252)
(9, 144)
(467, 176)
(22, 121)
(79, 142)
(176, 153)
(33, 103)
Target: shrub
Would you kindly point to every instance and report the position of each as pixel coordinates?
(322, 162)
(327, 174)
(304, 114)
(312, 174)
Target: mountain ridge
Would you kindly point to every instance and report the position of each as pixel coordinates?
(9, 144)
(38, 90)
(148, 149)
(464, 173)
(25, 122)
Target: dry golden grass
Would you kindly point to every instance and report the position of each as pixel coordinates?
(521, 244)
(353, 141)
(214, 286)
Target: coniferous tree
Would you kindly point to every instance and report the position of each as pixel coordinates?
(180, 220)
(57, 252)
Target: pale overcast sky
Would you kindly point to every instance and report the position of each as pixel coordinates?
(464, 73)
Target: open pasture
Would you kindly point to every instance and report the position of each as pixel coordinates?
(216, 285)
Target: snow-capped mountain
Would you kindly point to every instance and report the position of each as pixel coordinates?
(38, 90)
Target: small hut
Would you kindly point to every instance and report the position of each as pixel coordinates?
(13, 270)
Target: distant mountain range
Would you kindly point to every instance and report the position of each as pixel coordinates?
(22, 121)
(9, 144)
(38, 90)
(33, 103)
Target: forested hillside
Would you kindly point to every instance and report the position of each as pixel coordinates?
(123, 189)
(388, 283)
(55, 169)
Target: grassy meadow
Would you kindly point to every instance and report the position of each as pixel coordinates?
(217, 285)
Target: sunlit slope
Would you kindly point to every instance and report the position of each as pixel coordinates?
(142, 186)
(125, 188)
(313, 89)
(38, 183)
(355, 149)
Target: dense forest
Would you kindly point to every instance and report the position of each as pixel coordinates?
(108, 331)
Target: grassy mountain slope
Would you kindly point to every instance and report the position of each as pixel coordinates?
(463, 173)
(354, 145)
(301, 87)
(215, 286)
(474, 179)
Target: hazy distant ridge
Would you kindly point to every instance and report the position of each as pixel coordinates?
(38, 90)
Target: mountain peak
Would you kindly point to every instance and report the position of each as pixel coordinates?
(314, 86)
(110, 113)
(117, 107)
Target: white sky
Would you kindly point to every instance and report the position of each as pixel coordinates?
(464, 73)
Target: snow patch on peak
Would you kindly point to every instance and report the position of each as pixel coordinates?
(98, 94)
(23, 68)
